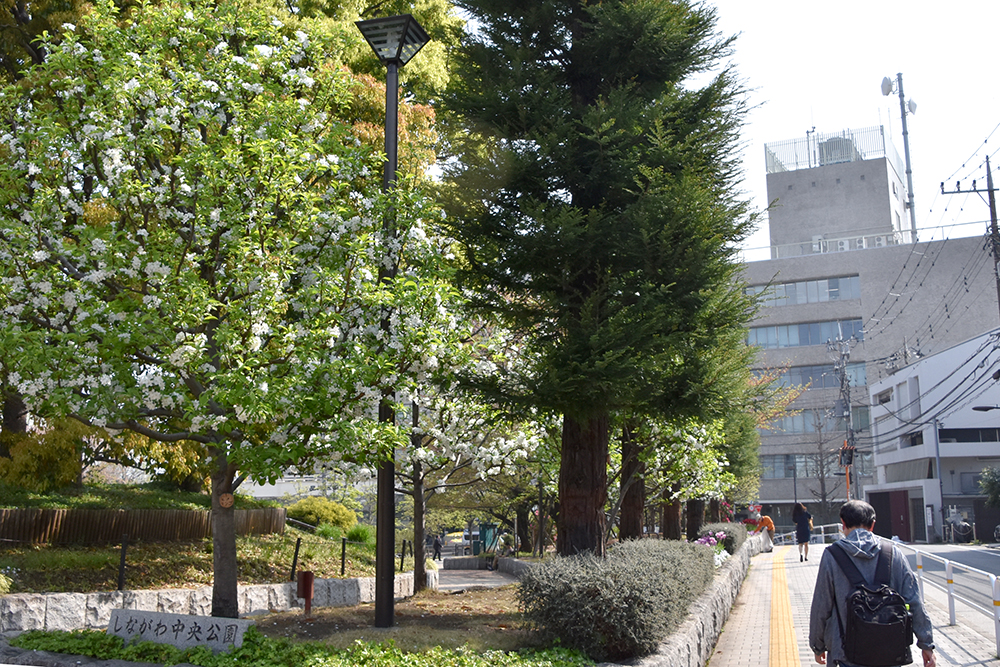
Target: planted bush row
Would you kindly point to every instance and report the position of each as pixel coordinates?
(617, 607)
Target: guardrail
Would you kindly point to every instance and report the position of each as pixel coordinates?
(824, 534)
(950, 567)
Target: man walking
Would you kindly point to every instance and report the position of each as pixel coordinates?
(829, 616)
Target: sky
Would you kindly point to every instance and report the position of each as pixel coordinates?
(821, 65)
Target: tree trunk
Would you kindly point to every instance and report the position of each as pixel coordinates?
(419, 509)
(695, 517)
(715, 510)
(15, 419)
(583, 485)
(225, 594)
(633, 489)
(523, 526)
(670, 527)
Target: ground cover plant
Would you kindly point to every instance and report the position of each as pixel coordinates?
(263, 651)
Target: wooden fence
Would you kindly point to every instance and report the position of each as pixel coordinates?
(78, 526)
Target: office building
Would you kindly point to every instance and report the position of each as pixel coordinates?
(847, 297)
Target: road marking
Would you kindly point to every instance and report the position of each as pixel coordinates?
(783, 648)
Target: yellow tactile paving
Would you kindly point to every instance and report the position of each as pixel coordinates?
(783, 649)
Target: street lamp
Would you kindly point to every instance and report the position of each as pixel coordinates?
(985, 408)
(395, 40)
(888, 86)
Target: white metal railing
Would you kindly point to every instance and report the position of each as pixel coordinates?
(949, 587)
(824, 534)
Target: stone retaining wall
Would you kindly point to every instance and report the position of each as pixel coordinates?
(75, 611)
(508, 565)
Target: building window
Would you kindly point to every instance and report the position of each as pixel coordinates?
(820, 422)
(799, 335)
(970, 483)
(810, 291)
(968, 435)
(823, 377)
(788, 466)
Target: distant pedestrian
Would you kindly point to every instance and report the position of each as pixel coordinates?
(830, 614)
(803, 529)
(764, 523)
(437, 547)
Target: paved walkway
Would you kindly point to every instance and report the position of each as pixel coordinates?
(457, 580)
(769, 624)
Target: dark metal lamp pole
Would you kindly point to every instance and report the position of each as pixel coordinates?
(395, 40)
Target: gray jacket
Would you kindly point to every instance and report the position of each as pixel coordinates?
(829, 601)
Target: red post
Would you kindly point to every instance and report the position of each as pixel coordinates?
(304, 587)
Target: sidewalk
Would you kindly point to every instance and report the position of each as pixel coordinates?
(769, 624)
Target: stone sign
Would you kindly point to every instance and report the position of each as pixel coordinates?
(180, 630)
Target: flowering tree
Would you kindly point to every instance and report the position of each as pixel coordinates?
(671, 461)
(190, 234)
(457, 441)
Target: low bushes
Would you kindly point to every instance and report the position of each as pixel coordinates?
(316, 510)
(618, 607)
(362, 533)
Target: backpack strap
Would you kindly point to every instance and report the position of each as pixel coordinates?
(846, 563)
(883, 568)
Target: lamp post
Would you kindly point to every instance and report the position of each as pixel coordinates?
(395, 40)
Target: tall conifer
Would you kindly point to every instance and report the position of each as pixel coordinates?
(596, 198)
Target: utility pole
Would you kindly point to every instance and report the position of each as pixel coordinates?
(994, 233)
(843, 349)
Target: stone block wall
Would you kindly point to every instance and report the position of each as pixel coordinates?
(76, 611)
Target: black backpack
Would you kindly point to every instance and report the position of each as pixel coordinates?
(879, 625)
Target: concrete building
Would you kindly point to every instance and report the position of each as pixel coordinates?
(848, 297)
(933, 432)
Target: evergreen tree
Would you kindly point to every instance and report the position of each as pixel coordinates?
(596, 200)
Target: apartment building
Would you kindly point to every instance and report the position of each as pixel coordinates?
(934, 430)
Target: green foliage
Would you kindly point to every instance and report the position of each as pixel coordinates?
(260, 650)
(618, 607)
(5, 584)
(316, 510)
(44, 460)
(736, 534)
(597, 202)
(362, 533)
(329, 531)
(989, 483)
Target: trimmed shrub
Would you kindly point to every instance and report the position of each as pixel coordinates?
(362, 533)
(316, 510)
(736, 534)
(618, 607)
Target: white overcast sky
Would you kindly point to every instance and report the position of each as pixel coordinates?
(821, 64)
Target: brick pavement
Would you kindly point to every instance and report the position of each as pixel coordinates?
(777, 593)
